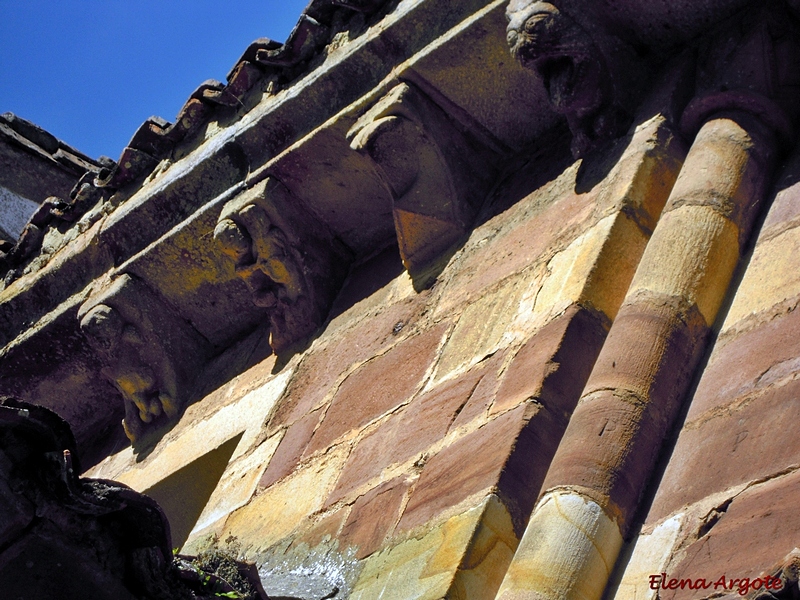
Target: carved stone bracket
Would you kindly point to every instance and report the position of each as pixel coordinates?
(291, 263)
(151, 355)
(592, 78)
(436, 173)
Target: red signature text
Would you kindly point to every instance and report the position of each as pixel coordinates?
(741, 585)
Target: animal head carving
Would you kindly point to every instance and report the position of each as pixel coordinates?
(543, 38)
(588, 75)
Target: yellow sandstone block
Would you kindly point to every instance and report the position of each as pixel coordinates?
(488, 556)
(486, 324)
(273, 515)
(691, 255)
(237, 484)
(463, 558)
(611, 276)
(771, 277)
(569, 272)
(642, 179)
(650, 556)
(595, 269)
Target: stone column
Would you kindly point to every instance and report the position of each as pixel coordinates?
(603, 463)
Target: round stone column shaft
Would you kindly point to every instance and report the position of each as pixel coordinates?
(629, 404)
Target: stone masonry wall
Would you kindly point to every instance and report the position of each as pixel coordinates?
(724, 503)
(394, 314)
(415, 431)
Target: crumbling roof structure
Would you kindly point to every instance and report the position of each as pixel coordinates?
(486, 299)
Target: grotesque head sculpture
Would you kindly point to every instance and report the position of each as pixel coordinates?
(586, 74)
(291, 264)
(148, 353)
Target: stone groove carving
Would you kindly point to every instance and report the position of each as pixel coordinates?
(591, 78)
(149, 353)
(437, 173)
(291, 263)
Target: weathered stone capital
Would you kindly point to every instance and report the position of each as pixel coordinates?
(750, 64)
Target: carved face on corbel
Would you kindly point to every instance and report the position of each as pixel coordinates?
(577, 68)
(543, 38)
(289, 262)
(150, 355)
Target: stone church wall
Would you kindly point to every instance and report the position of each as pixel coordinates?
(397, 314)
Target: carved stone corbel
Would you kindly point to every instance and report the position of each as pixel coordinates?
(592, 78)
(291, 263)
(436, 173)
(150, 354)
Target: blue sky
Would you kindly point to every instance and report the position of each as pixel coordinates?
(91, 71)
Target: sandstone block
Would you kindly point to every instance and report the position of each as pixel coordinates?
(569, 271)
(691, 255)
(595, 269)
(485, 325)
(522, 236)
(784, 213)
(427, 565)
(484, 393)
(554, 364)
(367, 287)
(747, 362)
(373, 516)
(237, 484)
(275, 513)
(420, 567)
(323, 367)
(321, 531)
(288, 453)
(378, 386)
(488, 555)
(508, 455)
(730, 447)
(419, 425)
(771, 277)
(650, 555)
(640, 182)
(611, 275)
(762, 519)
